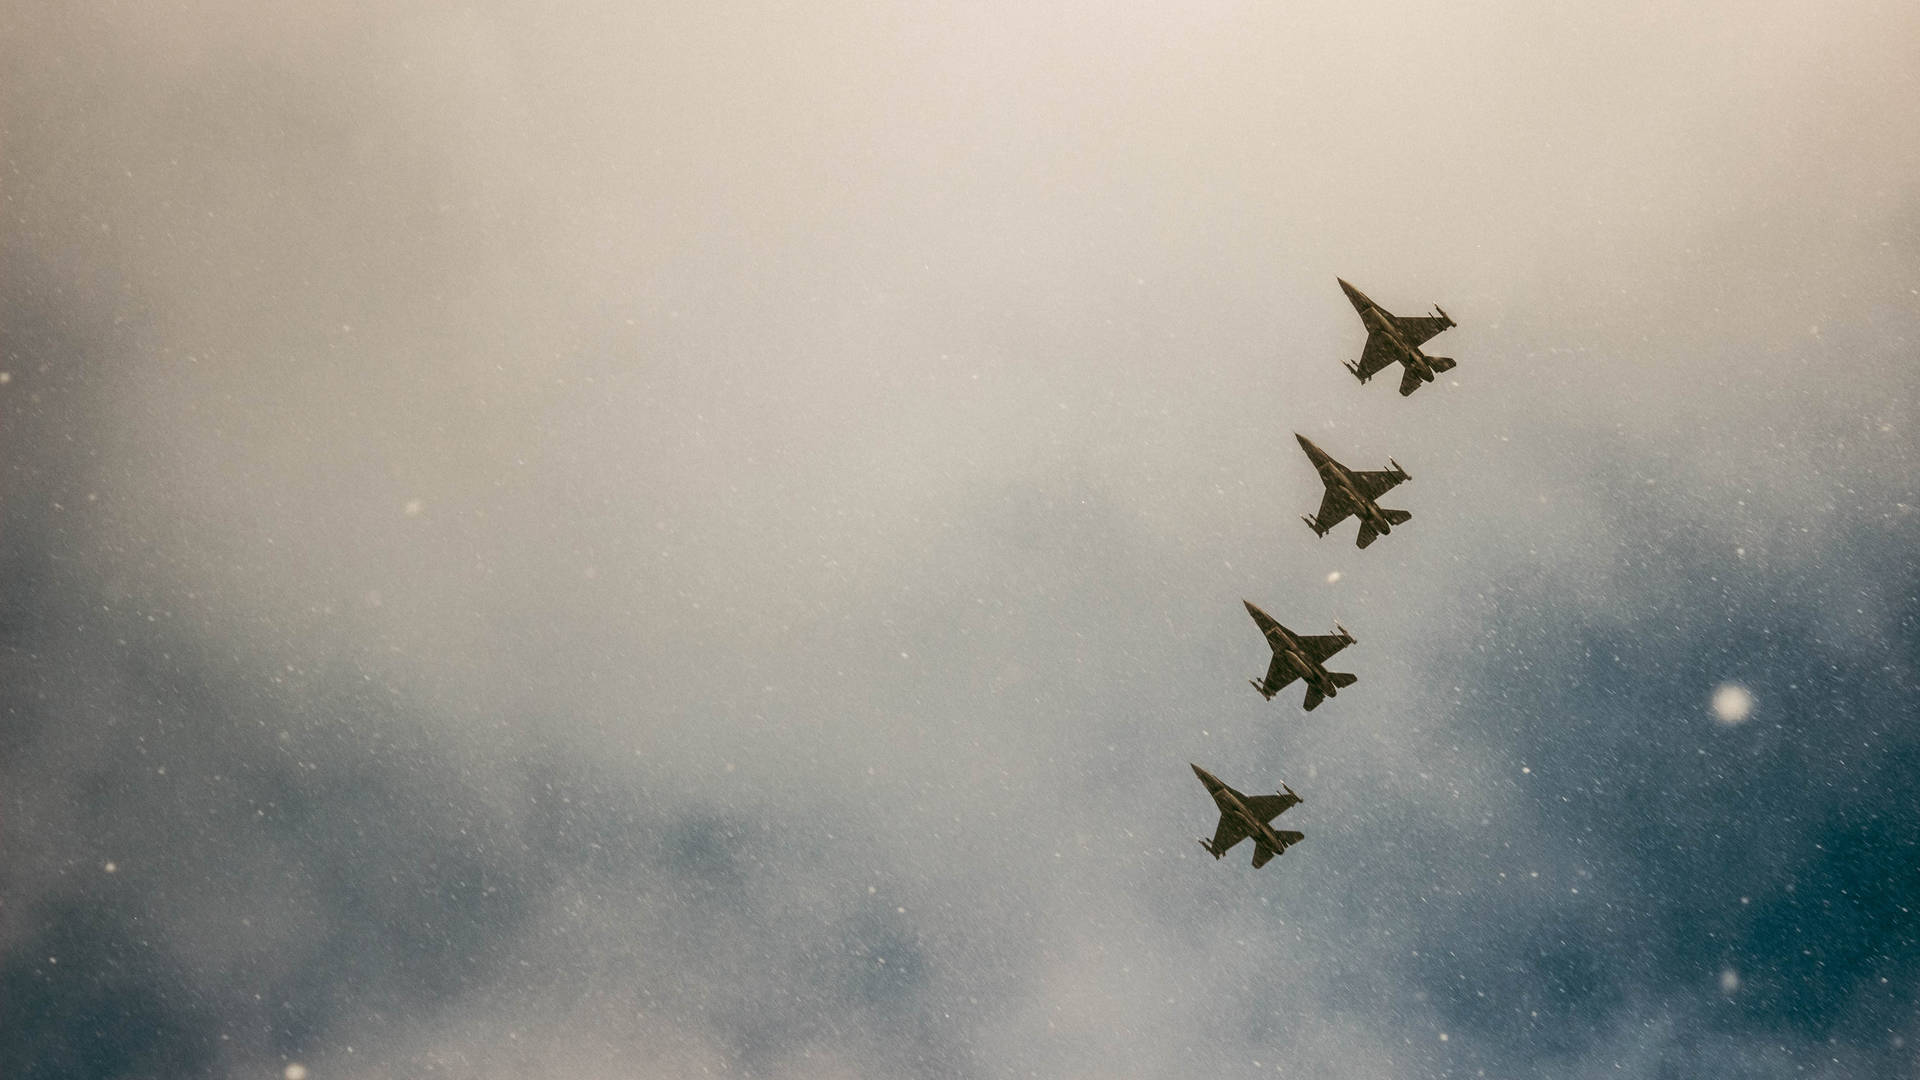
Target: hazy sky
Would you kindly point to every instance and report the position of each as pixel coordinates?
(618, 540)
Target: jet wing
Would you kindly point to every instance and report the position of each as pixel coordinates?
(1278, 674)
(1420, 327)
(1378, 354)
(1268, 807)
(1323, 646)
(1228, 834)
(1376, 484)
(1334, 509)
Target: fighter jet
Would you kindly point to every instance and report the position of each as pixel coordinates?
(1352, 493)
(1296, 657)
(1392, 338)
(1241, 817)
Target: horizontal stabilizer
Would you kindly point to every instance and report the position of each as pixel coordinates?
(1367, 534)
(1396, 517)
(1409, 382)
(1441, 363)
(1343, 679)
(1262, 854)
(1314, 698)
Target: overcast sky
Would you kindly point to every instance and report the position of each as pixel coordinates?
(616, 540)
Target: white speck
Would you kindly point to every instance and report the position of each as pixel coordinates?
(1443, 1036)
(1526, 769)
(110, 868)
(1333, 577)
(413, 508)
(295, 1071)
(1729, 981)
(1732, 703)
(5, 377)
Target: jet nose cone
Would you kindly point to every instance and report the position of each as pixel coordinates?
(1205, 776)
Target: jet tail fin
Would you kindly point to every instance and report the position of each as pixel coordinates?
(1409, 382)
(1441, 363)
(1262, 854)
(1314, 698)
(1343, 679)
(1368, 534)
(1397, 517)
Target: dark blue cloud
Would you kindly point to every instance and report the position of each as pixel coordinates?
(1781, 854)
(90, 996)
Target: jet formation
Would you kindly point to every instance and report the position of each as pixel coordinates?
(1390, 339)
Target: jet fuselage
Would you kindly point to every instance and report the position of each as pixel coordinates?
(1337, 476)
(1376, 322)
(1288, 648)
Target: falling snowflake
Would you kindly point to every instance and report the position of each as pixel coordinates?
(1732, 703)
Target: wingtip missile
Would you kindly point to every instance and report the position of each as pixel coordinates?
(1343, 633)
(1444, 315)
(1403, 474)
(1314, 525)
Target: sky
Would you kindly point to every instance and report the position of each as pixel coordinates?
(614, 540)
